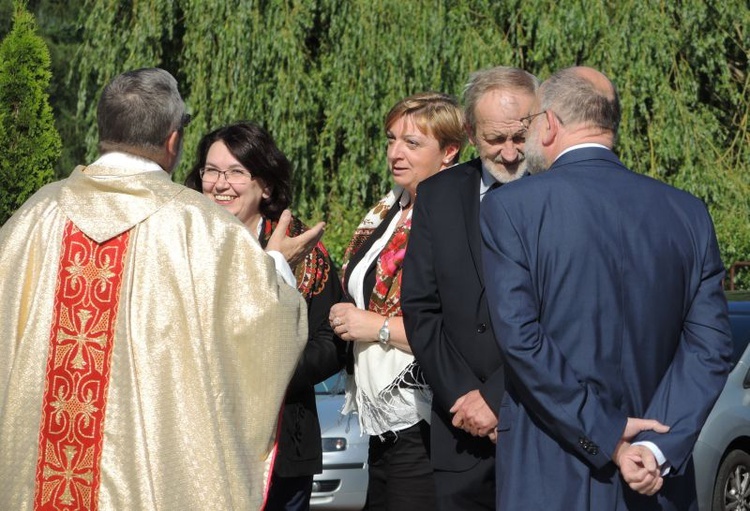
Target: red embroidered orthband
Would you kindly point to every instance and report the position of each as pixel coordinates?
(78, 368)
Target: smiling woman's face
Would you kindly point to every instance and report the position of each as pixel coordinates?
(241, 199)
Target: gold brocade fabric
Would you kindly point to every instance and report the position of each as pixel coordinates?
(205, 342)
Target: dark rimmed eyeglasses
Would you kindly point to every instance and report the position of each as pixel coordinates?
(526, 121)
(232, 176)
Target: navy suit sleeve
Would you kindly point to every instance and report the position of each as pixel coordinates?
(445, 369)
(568, 407)
(700, 365)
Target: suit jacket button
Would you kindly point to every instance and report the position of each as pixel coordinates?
(482, 379)
(481, 328)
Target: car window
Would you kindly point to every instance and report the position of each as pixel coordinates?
(740, 325)
(738, 296)
(739, 319)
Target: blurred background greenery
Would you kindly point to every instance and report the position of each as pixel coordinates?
(321, 74)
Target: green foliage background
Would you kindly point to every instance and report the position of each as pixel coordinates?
(58, 26)
(28, 138)
(321, 74)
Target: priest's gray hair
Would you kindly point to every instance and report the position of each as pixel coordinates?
(139, 109)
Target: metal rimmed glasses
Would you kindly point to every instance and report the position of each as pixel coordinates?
(526, 121)
(232, 176)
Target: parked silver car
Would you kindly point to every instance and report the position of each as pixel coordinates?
(722, 451)
(343, 482)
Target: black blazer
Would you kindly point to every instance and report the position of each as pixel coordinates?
(300, 451)
(445, 311)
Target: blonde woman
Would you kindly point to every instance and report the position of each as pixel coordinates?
(425, 135)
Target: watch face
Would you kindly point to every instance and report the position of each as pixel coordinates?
(384, 334)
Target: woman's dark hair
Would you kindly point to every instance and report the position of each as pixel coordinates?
(256, 150)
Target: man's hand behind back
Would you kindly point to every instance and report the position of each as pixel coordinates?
(637, 463)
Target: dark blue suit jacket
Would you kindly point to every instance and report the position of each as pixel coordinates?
(605, 294)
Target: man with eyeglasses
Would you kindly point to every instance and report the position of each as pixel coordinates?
(605, 292)
(147, 341)
(443, 295)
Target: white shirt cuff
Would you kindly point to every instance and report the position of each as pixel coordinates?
(660, 459)
(283, 268)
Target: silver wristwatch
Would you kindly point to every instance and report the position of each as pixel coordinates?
(384, 334)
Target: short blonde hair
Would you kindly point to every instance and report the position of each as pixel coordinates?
(434, 113)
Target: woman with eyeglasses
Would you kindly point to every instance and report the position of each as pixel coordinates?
(240, 168)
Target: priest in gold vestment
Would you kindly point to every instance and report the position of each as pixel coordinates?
(146, 337)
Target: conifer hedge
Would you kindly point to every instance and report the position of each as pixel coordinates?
(29, 142)
(321, 74)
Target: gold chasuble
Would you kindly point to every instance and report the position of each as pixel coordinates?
(146, 345)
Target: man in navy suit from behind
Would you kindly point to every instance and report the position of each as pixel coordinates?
(605, 293)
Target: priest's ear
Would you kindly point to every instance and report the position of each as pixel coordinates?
(174, 143)
(173, 150)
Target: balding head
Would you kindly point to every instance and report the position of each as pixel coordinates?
(580, 105)
(582, 96)
(599, 82)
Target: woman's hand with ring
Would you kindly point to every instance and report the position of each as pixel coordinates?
(353, 324)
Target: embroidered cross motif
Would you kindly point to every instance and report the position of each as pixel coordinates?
(82, 336)
(64, 473)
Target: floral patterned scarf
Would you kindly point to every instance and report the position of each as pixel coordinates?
(387, 388)
(312, 273)
(386, 295)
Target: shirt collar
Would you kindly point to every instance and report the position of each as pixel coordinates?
(582, 146)
(127, 161)
(487, 180)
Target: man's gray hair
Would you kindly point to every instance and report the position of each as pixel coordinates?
(139, 109)
(496, 78)
(576, 100)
